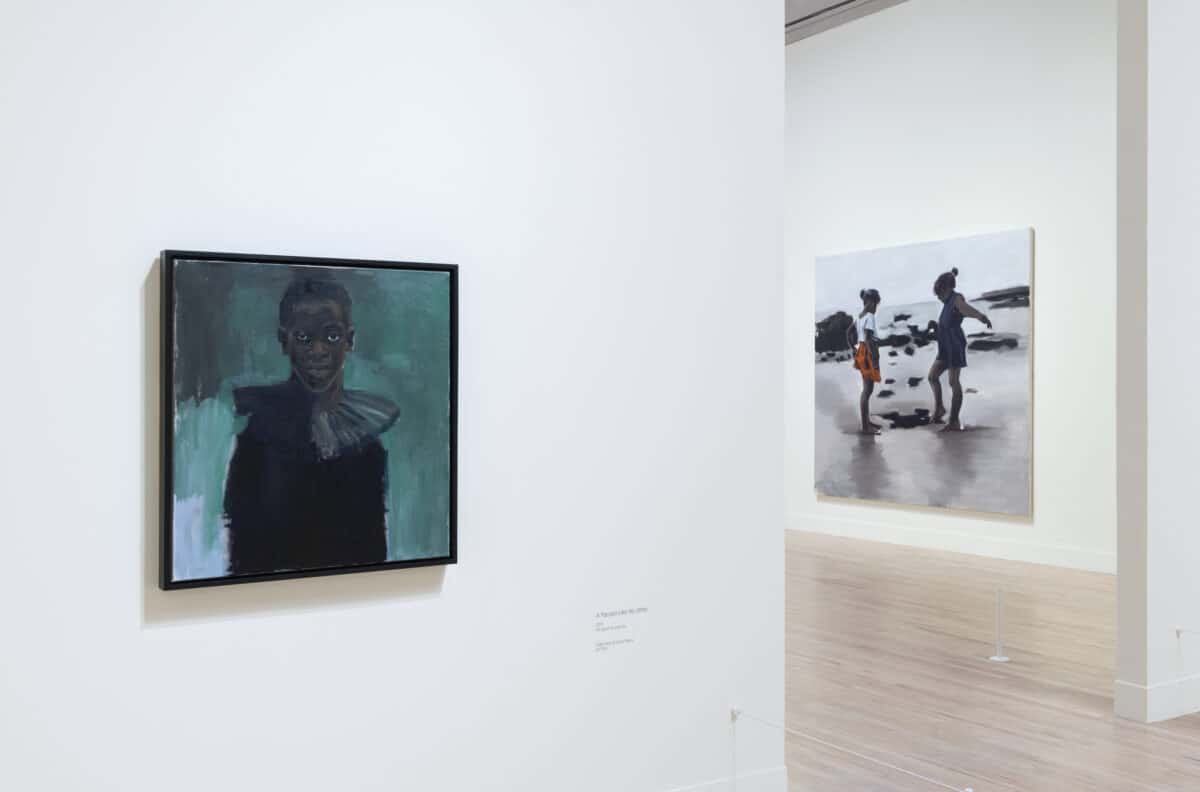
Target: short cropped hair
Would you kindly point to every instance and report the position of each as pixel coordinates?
(313, 289)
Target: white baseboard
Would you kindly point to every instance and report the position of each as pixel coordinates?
(956, 542)
(1154, 703)
(773, 780)
(1129, 701)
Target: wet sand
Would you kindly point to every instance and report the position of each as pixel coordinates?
(985, 468)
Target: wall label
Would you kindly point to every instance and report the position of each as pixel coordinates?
(614, 630)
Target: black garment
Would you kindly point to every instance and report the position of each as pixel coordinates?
(952, 342)
(307, 488)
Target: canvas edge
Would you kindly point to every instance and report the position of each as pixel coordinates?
(166, 441)
(881, 248)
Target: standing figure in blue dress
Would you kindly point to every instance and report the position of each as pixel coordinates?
(952, 347)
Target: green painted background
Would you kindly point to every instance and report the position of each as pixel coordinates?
(226, 315)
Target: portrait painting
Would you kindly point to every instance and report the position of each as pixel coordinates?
(308, 416)
(923, 383)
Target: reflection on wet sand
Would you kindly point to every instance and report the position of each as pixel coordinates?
(981, 468)
(869, 467)
(984, 468)
(954, 465)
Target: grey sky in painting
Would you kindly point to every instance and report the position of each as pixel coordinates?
(905, 274)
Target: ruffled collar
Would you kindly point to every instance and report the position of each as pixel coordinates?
(358, 418)
(285, 414)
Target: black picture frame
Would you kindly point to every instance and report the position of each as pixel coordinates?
(167, 265)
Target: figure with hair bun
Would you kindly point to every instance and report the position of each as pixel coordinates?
(866, 357)
(952, 348)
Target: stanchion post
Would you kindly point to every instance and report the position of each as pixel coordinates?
(999, 656)
(734, 714)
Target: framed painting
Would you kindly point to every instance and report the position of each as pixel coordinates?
(308, 416)
(923, 379)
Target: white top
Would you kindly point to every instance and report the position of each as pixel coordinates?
(863, 324)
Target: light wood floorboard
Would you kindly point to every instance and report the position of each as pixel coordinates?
(886, 655)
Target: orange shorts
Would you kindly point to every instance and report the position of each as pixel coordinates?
(864, 363)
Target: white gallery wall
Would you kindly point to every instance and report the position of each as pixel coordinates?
(1164, 682)
(945, 118)
(607, 177)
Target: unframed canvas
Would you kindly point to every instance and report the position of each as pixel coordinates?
(308, 416)
(903, 448)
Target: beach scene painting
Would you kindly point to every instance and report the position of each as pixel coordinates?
(924, 392)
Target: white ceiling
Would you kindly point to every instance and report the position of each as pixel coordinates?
(822, 15)
(794, 9)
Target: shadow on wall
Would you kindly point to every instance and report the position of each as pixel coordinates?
(160, 607)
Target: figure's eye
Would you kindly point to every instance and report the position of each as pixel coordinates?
(333, 336)
(302, 337)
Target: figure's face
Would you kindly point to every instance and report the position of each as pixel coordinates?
(317, 340)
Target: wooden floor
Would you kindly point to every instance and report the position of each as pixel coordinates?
(886, 655)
